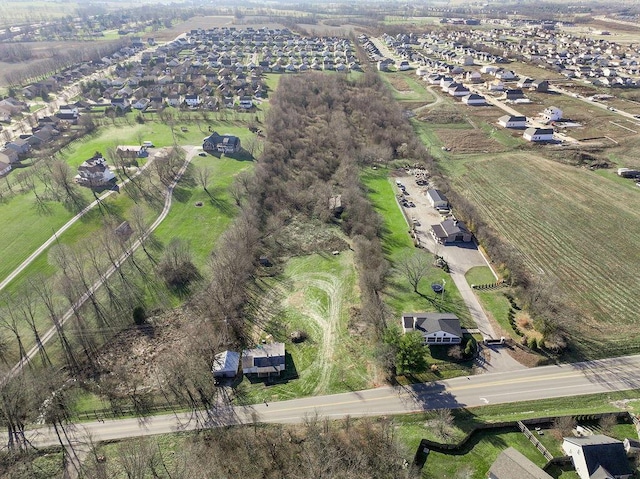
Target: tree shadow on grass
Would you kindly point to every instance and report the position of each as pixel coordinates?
(181, 194)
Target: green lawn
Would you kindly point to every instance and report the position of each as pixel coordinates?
(484, 446)
(480, 275)
(397, 243)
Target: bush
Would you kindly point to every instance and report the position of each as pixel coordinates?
(139, 315)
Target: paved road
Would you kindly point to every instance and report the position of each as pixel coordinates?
(46, 337)
(592, 377)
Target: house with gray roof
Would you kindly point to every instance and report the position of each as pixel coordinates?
(264, 360)
(437, 328)
(512, 463)
(451, 231)
(598, 457)
(437, 199)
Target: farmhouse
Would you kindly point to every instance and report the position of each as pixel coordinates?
(221, 143)
(436, 328)
(597, 456)
(264, 360)
(511, 121)
(552, 114)
(451, 231)
(437, 199)
(538, 134)
(225, 364)
(474, 100)
(94, 172)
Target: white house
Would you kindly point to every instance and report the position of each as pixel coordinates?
(192, 100)
(437, 199)
(538, 134)
(474, 100)
(458, 90)
(552, 114)
(597, 456)
(505, 75)
(246, 102)
(403, 65)
(94, 172)
(512, 121)
(436, 328)
(491, 69)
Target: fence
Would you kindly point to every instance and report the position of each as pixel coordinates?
(489, 286)
(534, 440)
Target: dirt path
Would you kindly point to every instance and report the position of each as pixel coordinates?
(326, 316)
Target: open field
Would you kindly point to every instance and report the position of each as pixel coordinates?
(576, 253)
(315, 294)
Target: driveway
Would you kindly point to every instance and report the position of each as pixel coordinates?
(460, 257)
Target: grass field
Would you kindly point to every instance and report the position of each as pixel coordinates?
(576, 230)
(315, 294)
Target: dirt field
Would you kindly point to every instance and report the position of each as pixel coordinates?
(212, 22)
(469, 141)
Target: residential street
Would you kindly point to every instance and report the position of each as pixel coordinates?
(591, 377)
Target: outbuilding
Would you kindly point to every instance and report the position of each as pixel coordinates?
(437, 199)
(225, 364)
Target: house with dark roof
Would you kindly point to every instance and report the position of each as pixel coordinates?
(511, 463)
(264, 360)
(597, 456)
(512, 121)
(436, 328)
(221, 143)
(451, 231)
(514, 94)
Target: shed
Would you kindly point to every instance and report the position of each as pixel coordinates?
(437, 199)
(225, 364)
(512, 463)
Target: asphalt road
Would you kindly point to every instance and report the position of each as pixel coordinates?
(591, 377)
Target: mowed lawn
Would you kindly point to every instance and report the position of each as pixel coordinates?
(575, 230)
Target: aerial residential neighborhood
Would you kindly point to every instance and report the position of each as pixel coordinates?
(339, 240)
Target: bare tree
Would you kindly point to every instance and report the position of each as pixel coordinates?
(203, 174)
(413, 267)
